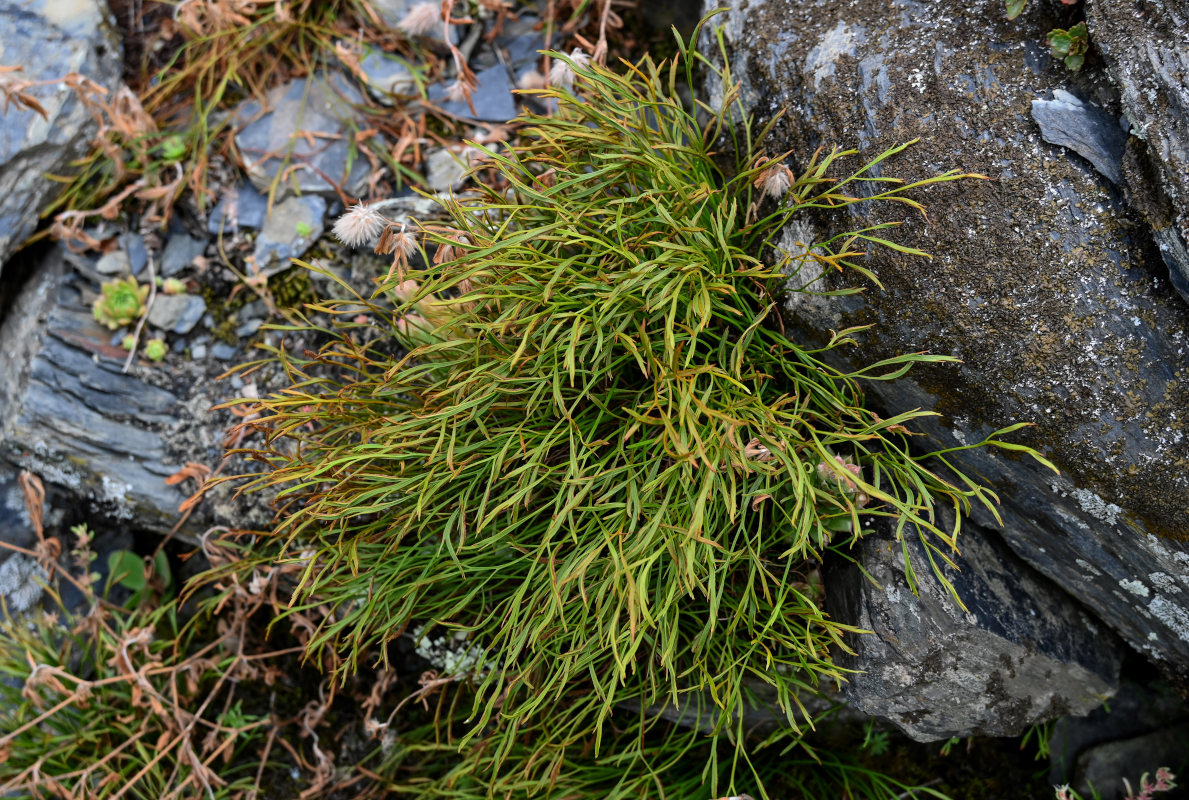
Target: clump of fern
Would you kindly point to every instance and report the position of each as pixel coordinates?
(599, 455)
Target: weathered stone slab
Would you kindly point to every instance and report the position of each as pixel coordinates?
(48, 39)
(69, 414)
(1021, 652)
(1055, 300)
(1146, 48)
(301, 140)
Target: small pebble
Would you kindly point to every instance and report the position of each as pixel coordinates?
(224, 351)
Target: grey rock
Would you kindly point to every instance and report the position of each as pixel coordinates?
(48, 39)
(248, 328)
(445, 170)
(1022, 652)
(178, 313)
(180, 252)
(138, 255)
(1038, 284)
(1089, 131)
(198, 352)
(21, 582)
(114, 263)
(68, 413)
(290, 230)
(1144, 47)
(223, 351)
(388, 77)
(19, 575)
(241, 206)
(305, 130)
(493, 99)
(1135, 711)
(1101, 771)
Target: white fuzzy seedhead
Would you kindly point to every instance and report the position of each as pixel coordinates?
(421, 20)
(561, 75)
(360, 226)
(775, 181)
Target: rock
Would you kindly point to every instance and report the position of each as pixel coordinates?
(138, 256)
(223, 351)
(248, 328)
(1088, 131)
(1041, 284)
(290, 230)
(493, 99)
(20, 575)
(48, 39)
(178, 313)
(1135, 711)
(445, 170)
(241, 206)
(1101, 771)
(70, 416)
(180, 252)
(1022, 652)
(388, 77)
(114, 263)
(1143, 45)
(304, 131)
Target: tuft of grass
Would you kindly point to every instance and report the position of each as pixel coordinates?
(587, 445)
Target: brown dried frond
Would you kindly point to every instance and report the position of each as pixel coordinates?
(15, 92)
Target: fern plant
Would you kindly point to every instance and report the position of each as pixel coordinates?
(599, 455)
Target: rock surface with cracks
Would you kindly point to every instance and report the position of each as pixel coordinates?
(1045, 283)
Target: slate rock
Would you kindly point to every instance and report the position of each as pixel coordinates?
(178, 313)
(68, 413)
(115, 263)
(445, 170)
(305, 131)
(1055, 302)
(1101, 770)
(241, 206)
(180, 252)
(1022, 652)
(1135, 711)
(133, 244)
(493, 98)
(1089, 131)
(1143, 44)
(19, 574)
(223, 351)
(388, 77)
(48, 39)
(290, 230)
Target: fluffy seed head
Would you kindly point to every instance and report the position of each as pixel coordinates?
(775, 180)
(421, 20)
(359, 226)
(561, 74)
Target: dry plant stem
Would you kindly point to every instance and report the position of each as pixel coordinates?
(144, 315)
(600, 49)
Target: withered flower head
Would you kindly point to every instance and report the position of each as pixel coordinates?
(775, 180)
